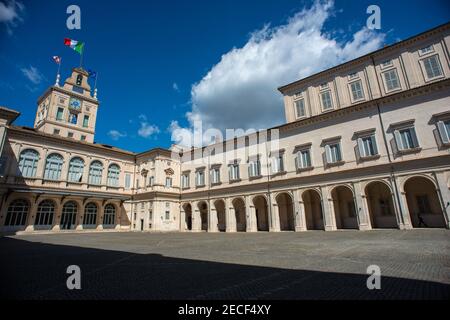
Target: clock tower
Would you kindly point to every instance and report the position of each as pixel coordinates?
(69, 111)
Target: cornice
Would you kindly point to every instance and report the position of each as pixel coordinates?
(380, 52)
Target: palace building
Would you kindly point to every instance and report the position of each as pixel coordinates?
(366, 145)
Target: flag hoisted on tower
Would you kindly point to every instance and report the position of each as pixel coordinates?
(57, 60)
(78, 46)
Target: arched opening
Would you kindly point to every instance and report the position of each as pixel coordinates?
(17, 213)
(381, 206)
(285, 212)
(313, 210)
(203, 207)
(44, 215)
(423, 203)
(239, 211)
(262, 213)
(109, 216)
(187, 216)
(220, 209)
(90, 215)
(69, 215)
(344, 208)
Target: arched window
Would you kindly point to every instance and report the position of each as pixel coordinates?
(95, 173)
(113, 175)
(44, 215)
(69, 215)
(90, 214)
(76, 167)
(53, 167)
(17, 213)
(28, 162)
(110, 215)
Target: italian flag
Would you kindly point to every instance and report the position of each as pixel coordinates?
(75, 45)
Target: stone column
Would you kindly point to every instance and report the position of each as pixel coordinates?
(57, 215)
(444, 195)
(196, 218)
(212, 219)
(299, 211)
(183, 226)
(328, 210)
(100, 216)
(31, 215)
(230, 216)
(275, 216)
(250, 214)
(361, 208)
(80, 214)
(118, 216)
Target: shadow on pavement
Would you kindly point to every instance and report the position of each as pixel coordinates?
(33, 270)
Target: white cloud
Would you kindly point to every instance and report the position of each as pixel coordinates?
(240, 91)
(11, 14)
(33, 74)
(116, 135)
(146, 130)
(175, 87)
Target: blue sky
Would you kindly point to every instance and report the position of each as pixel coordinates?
(164, 64)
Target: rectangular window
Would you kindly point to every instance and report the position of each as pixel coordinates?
(70, 134)
(83, 138)
(432, 67)
(234, 172)
(326, 100)
(151, 181)
(367, 146)
(168, 182)
(277, 164)
(60, 114)
(324, 86)
(215, 175)
(303, 159)
(333, 153)
(254, 168)
(127, 181)
(73, 118)
(423, 204)
(167, 215)
(385, 207)
(357, 90)
(426, 50)
(200, 178)
(391, 80)
(386, 63)
(185, 180)
(300, 108)
(352, 76)
(444, 131)
(56, 131)
(406, 139)
(86, 121)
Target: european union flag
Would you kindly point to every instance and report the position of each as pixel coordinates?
(92, 73)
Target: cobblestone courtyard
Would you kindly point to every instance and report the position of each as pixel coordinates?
(312, 265)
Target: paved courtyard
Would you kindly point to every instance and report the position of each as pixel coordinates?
(312, 265)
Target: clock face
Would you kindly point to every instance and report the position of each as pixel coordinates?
(75, 104)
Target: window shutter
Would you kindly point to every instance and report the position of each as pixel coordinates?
(230, 172)
(237, 172)
(362, 152)
(374, 145)
(273, 165)
(298, 160)
(250, 169)
(414, 137)
(328, 153)
(398, 140)
(443, 132)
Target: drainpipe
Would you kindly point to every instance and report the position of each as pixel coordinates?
(392, 171)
